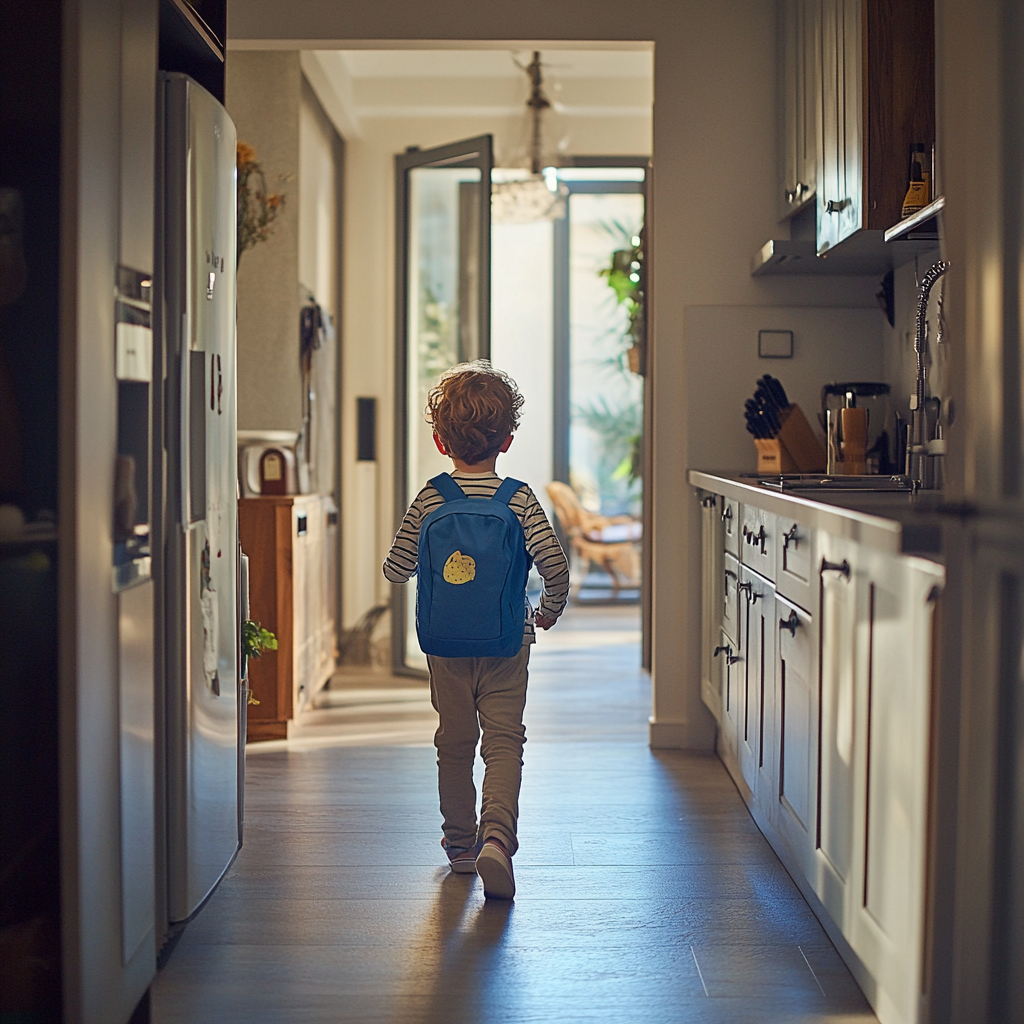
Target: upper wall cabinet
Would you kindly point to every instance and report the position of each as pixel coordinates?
(876, 91)
(800, 110)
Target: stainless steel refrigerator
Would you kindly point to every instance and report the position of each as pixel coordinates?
(200, 603)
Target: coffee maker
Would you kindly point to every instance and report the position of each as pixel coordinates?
(873, 398)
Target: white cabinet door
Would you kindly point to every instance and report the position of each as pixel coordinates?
(886, 909)
(758, 540)
(729, 615)
(837, 692)
(712, 570)
(840, 196)
(793, 807)
(731, 525)
(796, 569)
(756, 684)
(799, 103)
(729, 671)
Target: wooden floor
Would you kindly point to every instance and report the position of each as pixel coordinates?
(646, 891)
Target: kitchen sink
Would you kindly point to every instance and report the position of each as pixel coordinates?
(821, 482)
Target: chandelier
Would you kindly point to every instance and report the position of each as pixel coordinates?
(541, 196)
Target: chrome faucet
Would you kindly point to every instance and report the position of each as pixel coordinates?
(918, 467)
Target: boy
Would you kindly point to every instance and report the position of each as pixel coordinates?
(474, 410)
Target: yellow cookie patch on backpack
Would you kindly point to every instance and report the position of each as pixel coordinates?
(459, 568)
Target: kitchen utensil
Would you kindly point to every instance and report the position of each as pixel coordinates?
(776, 390)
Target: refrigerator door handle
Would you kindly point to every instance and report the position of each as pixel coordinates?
(193, 443)
(185, 426)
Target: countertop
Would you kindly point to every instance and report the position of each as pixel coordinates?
(897, 522)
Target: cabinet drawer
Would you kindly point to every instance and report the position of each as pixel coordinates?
(794, 810)
(758, 540)
(795, 566)
(731, 600)
(731, 525)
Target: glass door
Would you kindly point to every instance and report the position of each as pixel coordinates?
(442, 310)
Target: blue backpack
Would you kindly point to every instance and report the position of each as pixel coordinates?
(471, 575)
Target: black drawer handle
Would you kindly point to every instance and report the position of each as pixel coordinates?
(726, 649)
(791, 623)
(843, 567)
(709, 501)
(790, 537)
(741, 587)
(726, 511)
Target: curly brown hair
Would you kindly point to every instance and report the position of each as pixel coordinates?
(473, 408)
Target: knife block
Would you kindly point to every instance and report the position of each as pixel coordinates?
(795, 449)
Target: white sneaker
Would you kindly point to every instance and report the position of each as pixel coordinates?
(494, 866)
(462, 859)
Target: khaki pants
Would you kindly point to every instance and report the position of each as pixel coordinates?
(493, 689)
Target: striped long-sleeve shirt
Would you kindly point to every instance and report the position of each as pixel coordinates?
(541, 542)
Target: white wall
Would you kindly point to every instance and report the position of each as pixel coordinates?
(263, 93)
(713, 204)
(522, 344)
(318, 235)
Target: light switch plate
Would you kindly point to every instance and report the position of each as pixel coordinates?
(134, 353)
(775, 344)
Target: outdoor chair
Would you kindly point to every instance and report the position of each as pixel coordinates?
(609, 542)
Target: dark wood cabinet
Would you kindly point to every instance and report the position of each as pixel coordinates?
(877, 98)
(292, 545)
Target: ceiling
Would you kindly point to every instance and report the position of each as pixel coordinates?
(497, 64)
(359, 86)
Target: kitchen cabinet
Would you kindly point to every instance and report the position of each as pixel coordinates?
(885, 913)
(758, 540)
(712, 569)
(796, 571)
(876, 94)
(836, 716)
(793, 811)
(730, 600)
(730, 524)
(755, 741)
(799, 111)
(731, 656)
(840, 193)
(824, 673)
(291, 542)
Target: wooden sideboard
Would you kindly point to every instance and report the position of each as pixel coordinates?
(292, 544)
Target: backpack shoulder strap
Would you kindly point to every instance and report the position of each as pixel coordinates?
(507, 489)
(447, 487)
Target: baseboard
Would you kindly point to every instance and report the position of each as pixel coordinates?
(272, 729)
(668, 735)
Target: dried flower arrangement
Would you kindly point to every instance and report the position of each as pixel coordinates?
(257, 209)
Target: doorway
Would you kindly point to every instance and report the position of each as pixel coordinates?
(384, 102)
(567, 294)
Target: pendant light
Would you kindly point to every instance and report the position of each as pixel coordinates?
(541, 196)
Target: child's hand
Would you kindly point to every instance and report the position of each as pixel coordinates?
(544, 621)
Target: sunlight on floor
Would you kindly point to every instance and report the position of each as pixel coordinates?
(364, 708)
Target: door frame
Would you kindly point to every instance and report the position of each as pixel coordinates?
(475, 152)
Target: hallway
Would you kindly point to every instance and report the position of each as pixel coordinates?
(645, 889)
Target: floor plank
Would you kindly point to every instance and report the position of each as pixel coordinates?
(645, 889)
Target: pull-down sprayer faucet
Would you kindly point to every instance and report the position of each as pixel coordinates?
(917, 448)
